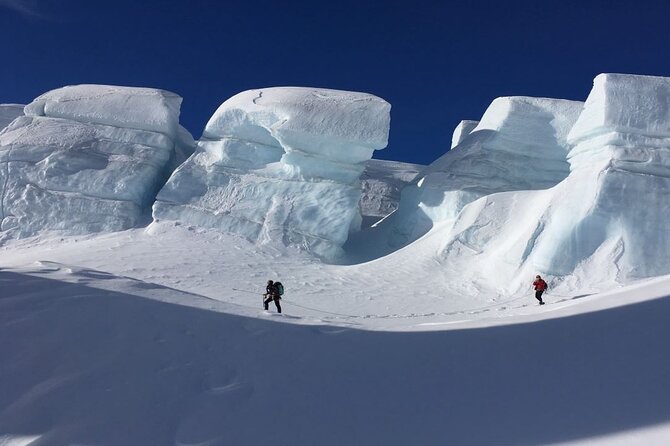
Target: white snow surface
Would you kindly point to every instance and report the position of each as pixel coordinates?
(280, 165)
(156, 335)
(519, 144)
(463, 129)
(129, 338)
(69, 164)
(8, 113)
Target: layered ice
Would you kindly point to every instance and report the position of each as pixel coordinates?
(463, 129)
(519, 144)
(8, 113)
(618, 192)
(125, 107)
(381, 184)
(280, 164)
(88, 158)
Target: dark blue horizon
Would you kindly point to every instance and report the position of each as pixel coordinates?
(435, 62)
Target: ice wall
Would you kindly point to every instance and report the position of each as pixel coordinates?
(519, 144)
(88, 158)
(617, 196)
(463, 129)
(8, 113)
(280, 164)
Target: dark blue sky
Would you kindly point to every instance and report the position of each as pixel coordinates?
(435, 62)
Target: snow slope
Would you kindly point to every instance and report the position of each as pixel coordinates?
(98, 357)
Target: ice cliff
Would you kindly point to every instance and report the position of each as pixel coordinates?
(617, 196)
(280, 164)
(88, 158)
(606, 223)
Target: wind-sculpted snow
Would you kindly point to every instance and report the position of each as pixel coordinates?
(8, 113)
(519, 144)
(282, 165)
(69, 164)
(463, 129)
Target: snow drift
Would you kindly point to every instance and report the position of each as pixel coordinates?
(88, 158)
(519, 144)
(280, 164)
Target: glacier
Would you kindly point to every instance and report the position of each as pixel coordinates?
(280, 165)
(88, 158)
(520, 143)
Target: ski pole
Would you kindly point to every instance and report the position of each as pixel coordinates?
(247, 291)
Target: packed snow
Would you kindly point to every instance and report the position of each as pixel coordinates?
(425, 330)
(135, 338)
(280, 165)
(77, 163)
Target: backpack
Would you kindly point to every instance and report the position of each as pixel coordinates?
(280, 288)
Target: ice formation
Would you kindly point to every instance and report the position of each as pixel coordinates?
(519, 144)
(381, 184)
(463, 129)
(616, 198)
(280, 164)
(8, 113)
(88, 158)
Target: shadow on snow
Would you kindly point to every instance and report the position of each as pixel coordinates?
(89, 366)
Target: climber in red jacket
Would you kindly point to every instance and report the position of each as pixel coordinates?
(540, 285)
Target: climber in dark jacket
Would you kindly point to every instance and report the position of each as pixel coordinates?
(271, 293)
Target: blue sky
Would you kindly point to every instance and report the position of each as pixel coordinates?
(435, 62)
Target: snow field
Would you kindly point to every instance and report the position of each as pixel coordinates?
(121, 360)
